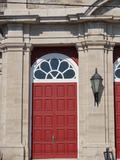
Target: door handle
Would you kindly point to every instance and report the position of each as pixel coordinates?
(53, 139)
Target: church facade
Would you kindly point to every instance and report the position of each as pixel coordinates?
(49, 50)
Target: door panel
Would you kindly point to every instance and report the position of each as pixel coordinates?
(54, 120)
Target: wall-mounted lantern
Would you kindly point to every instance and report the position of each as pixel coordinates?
(108, 155)
(97, 87)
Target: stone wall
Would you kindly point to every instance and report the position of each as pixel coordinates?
(3, 5)
(75, 2)
(0, 78)
(0, 75)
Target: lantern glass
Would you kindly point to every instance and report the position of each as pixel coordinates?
(95, 85)
(96, 82)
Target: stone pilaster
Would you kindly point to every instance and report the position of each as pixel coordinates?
(0, 83)
(26, 100)
(12, 98)
(96, 123)
(82, 98)
(109, 96)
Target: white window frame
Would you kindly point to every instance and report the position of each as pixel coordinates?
(50, 56)
(115, 68)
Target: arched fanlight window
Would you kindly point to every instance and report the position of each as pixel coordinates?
(54, 67)
(116, 70)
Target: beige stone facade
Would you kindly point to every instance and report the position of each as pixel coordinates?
(94, 31)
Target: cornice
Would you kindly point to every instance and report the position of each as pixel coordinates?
(5, 19)
(11, 45)
(72, 18)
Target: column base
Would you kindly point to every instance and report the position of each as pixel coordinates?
(12, 153)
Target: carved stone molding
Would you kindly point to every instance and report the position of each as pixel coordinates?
(16, 47)
(27, 48)
(109, 45)
(81, 46)
(33, 4)
(68, 18)
(92, 45)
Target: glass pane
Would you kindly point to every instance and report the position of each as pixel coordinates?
(54, 73)
(39, 74)
(59, 76)
(96, 83)
(117, 73)
(49, 76)
(63, 66)
(118, 66)
(54, 63)
(45, 66)
(37, 68)
(69, 74)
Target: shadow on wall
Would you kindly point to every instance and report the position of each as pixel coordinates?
(52, 30)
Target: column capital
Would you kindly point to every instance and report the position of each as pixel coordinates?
(93, 45)
(12, 47)
(81, 46)
(28, 47)
(109, 45)
(16, 47)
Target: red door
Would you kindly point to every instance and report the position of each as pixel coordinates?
(54, 120)
(117, 117)
(116, 59)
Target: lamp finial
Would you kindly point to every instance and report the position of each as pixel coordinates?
(96, 70)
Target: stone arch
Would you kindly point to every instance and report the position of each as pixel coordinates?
(100, 7)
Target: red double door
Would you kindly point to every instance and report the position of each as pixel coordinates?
(54, 120)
